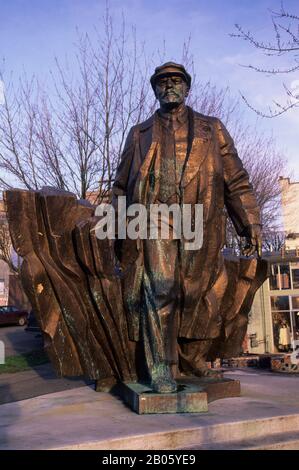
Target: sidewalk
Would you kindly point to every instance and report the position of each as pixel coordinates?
(266, 416)
(35, 382)
(39, 380)
(19, 341)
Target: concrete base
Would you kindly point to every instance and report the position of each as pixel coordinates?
(192, 396)
(139, 397)
(214, 388)
(265, 416)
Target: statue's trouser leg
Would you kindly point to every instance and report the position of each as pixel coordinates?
(160, 303)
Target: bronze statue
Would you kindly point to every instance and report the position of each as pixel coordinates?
(180, 156)
(108, 308)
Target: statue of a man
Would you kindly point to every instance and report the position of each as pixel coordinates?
(173, 295)
(173, 306)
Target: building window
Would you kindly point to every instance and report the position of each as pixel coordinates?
(295, 319)
(274, 281)
(2, 287)
(284, 276)
(285, 281)
(280, 277)
(285, 316)
(295, 278)
(295, 302)
(280, 302)
(282, 333)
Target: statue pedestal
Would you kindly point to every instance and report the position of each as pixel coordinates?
(215, 388)
(193, 395)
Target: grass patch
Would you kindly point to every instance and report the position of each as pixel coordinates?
(23, 362)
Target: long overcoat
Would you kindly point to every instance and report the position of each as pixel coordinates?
(214, 176)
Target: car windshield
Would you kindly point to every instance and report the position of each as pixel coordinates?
(7, 309)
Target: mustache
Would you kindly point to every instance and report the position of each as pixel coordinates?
(170, 92)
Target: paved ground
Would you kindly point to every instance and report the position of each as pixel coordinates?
(37, 381)
(265, 416)
(18, 341)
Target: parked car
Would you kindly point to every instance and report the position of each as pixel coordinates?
(9, 314)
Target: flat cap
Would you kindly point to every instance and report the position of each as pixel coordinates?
(170, 68)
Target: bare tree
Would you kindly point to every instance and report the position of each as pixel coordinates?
(284, 43)
(274, 241)
(6, 252)
(265, 164)
(257, 150)
(73, 139)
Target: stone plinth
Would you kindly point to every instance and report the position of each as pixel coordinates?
(193, 395)
(188, 399)
(215, 389)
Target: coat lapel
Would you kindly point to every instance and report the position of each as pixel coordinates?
(200, 135)
(150, 164)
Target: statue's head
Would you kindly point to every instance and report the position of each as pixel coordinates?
(171, 84)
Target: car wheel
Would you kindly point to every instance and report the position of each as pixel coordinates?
(22, 321)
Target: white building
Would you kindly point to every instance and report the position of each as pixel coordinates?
(274, 320)
(290, 212)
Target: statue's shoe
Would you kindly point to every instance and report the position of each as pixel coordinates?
(164, 385)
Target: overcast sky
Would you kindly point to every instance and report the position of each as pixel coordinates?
(34, 31)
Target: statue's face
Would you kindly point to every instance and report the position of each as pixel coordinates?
(171, 91)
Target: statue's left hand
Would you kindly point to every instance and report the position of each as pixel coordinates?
(253, 235)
